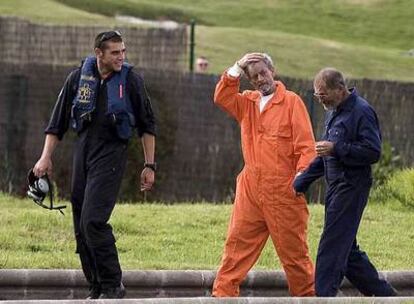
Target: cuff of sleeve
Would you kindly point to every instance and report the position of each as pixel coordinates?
(152, 132)
(54, 132)
(300, 185)
(235, 71)
(230, 80)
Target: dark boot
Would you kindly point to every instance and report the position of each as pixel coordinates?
(94, 292)
(113, 293)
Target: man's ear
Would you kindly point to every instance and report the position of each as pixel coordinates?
(274, 73)
(246, 72)
(98, 52)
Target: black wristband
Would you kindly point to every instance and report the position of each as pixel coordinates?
(152, 166)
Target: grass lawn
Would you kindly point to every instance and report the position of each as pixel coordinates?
(49, 11)
(363, 38)
(382, 23)
(302, 56)
(180, 236)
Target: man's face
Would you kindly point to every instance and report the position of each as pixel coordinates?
(329, 98)
(112, 57)
(202, 65)
(261, 77)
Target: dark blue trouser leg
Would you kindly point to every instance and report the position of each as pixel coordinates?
(363, 275)
(338, 254)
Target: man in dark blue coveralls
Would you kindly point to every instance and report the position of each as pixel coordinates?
(351, 143)
(104, 101)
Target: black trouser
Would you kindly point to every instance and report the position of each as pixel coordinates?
(98, 167)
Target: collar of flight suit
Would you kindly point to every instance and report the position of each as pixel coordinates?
(349, 102)
(278, 95)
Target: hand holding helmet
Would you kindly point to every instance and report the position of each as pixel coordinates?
(39, 188)
(43, 166)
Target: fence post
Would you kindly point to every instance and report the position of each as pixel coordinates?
(192, 44)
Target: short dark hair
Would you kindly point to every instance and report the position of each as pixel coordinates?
(102, 38)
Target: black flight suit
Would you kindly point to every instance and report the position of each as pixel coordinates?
(98, 165)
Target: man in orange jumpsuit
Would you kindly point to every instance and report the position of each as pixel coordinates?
(277, 144)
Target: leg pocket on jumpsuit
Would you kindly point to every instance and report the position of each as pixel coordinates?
(283, 192)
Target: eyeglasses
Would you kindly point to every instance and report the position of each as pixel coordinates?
(107, 36)
(340, 85)
(203, 64)
(319, 95)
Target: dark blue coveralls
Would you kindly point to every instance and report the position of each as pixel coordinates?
(354, 129)
(98, 166)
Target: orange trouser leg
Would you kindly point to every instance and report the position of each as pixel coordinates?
(246, 238)
(288, 230)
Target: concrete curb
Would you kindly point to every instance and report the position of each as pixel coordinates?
(26, 284)
(226, 301)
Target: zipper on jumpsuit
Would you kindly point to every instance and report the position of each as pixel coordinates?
(260, 132)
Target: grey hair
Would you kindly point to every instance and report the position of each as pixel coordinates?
(268, 61)
(331, 77)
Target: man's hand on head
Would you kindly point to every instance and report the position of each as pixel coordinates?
(248, 59)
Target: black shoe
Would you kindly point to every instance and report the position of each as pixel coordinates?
(94, 292)
(113, 293)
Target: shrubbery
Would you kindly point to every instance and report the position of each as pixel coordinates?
(391, 182)
(398, 187)
(389, 163)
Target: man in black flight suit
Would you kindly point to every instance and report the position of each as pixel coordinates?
(103, 101)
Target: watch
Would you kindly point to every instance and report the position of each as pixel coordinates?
(152, 166)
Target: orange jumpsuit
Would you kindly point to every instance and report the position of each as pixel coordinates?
(276, 144)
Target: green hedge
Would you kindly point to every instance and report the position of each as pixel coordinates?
(389, 163)
(398, 187)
